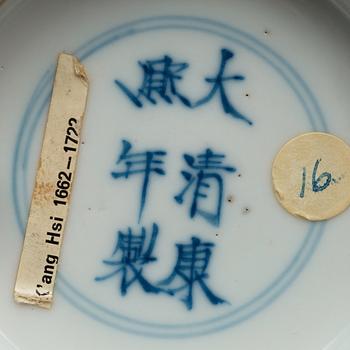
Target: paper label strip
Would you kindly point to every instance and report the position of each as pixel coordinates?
(54, 179)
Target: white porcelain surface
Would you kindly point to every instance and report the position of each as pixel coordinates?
(285, 281)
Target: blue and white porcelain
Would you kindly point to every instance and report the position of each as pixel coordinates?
(174, 238)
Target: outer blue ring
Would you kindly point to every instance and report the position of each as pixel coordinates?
(34, 113)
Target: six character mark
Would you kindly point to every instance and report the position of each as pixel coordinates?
(133, 252)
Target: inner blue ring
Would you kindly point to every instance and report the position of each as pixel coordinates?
(35, 110)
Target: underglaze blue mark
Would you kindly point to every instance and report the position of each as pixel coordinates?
(265, 297)
(145, 163)
(129, 258)
(191, 270)
(132, 253)
(218, 87)
(159, 80)
(206, 169)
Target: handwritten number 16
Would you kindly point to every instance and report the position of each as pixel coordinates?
(319, 183)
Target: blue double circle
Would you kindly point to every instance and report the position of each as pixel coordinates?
(35, 112)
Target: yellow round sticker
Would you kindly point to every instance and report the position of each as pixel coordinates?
(311, 176)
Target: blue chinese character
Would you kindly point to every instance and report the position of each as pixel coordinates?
(207, 168)
(129, 258)
(159, 79)
(161, 75)
(218, 87)
(144, 163)
(191, 270)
